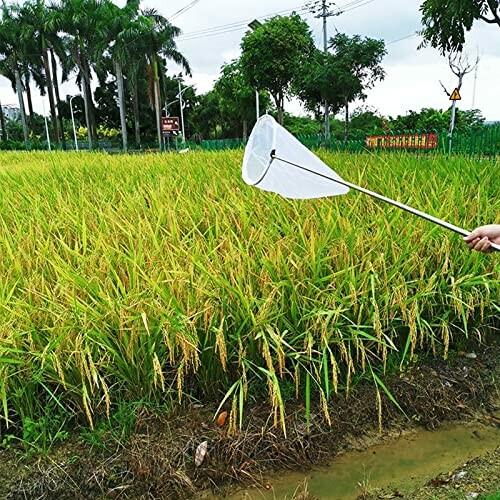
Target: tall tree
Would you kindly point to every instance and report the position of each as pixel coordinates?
(357, 66)
(274, 54)
(11, 57)
(446, 21)
(83, 22)
(38, 30)
(237, 98)
(159, 41)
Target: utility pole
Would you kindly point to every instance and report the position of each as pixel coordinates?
(324, 12)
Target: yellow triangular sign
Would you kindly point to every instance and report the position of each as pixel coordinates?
(455, 95)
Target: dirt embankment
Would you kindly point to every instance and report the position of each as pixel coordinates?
(158, 461)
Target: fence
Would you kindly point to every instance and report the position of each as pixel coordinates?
(482, 142)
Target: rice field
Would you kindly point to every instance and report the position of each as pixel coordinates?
(163, 278)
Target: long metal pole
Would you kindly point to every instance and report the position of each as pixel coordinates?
(257, 104)
(398, 204)
(181, 102)
(46, 125)
(73, 121)
(325, 47)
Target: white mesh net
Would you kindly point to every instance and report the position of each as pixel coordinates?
(260, 170)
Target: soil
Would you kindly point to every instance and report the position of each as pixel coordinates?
(158, 461)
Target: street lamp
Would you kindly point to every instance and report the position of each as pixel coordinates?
(167, 104)
(46, 125)
(254, 25)
(73, 121)
(181, 105)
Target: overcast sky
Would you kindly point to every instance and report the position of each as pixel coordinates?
(412, 76)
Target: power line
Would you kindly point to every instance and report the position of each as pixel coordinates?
(183, 10)
(411, 35)
(238, 25)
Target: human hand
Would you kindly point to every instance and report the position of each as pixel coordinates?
(482, 237)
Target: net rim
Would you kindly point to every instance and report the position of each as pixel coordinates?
(262, 120)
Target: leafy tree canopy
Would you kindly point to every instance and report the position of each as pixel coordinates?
(274, 54)
(446, 21)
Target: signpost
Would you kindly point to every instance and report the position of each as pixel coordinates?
(170, 127)
(455, 95)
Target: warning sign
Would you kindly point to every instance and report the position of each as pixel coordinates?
(455, 95)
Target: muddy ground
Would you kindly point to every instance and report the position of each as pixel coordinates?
(158, 461)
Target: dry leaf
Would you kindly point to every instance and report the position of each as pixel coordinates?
(201, 451)
(221, 420)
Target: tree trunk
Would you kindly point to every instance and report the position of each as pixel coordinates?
(90, 102)
(346, 126)
(121, 100)
(93, 123)
(31, 117)
(50, 90)
(87, 114)
(19, 89)
(137, 124)
(280, 106)
(245, 130)
(157, 99)
(58, 99)
(2, 124)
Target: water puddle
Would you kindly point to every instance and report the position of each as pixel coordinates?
(402, 463)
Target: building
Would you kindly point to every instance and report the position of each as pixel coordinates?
(11, 111)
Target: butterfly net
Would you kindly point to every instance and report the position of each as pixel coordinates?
(261, 170)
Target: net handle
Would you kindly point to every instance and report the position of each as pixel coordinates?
(398, 204)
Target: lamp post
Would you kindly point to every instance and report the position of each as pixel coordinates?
(254, 25)
(181, 105)
(46, 125)
(73, 121)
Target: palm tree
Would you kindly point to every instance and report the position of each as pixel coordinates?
(38, 30)
(11, 56)
(83, 22)
(153, 35)
(118, 37)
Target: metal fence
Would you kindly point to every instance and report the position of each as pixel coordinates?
(482, 142)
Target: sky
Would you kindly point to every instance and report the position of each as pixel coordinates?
(413, 76)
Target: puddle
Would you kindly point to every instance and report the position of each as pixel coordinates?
(402, 463)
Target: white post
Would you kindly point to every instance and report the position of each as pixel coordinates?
(257, 105)
(73, 121)
(181, 102)
(46, 125)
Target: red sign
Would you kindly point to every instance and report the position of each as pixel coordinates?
(169, 124)
(404, 141)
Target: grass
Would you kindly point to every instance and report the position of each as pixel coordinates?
(163, 277)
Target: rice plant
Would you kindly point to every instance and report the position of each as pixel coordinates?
(157, 278)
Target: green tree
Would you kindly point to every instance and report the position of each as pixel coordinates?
(274, 54)
(38, 31)
(237, 99)
(83, 23)
(445, 22)
(356, 66)
(12, 55)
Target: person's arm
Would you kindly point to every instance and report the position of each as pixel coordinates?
(482, 237)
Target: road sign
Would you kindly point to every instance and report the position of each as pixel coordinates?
(170, 125)
(455, 95)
